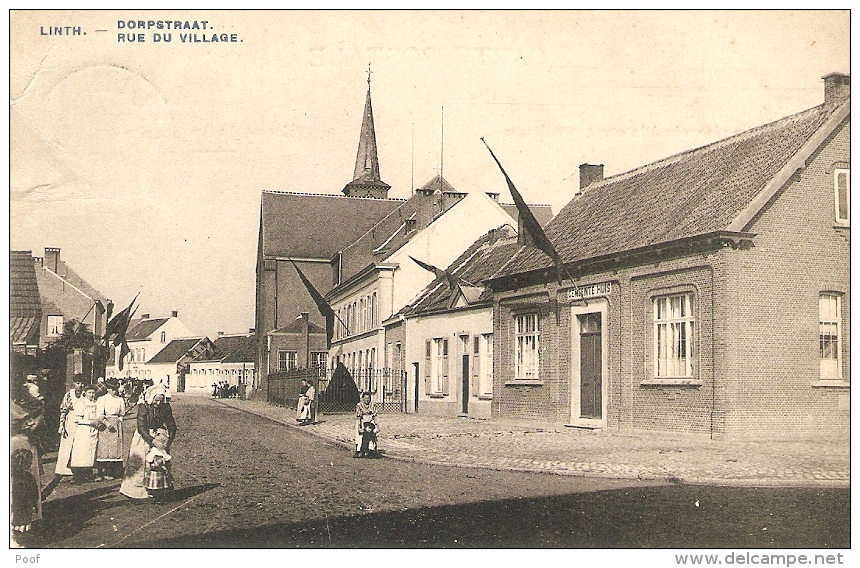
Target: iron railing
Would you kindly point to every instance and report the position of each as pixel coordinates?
(387, 388)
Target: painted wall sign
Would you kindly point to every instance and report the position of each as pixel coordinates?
(590, 291)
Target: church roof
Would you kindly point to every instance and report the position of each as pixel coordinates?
(366, 171)
(305, 225)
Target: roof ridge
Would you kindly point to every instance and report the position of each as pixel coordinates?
(338, 196)
(669, 160)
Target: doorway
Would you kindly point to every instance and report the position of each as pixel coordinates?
(589, 364)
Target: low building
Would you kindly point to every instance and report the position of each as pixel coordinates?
(707, 293)
(146, 338)
(170, 366)
(231, 361)
(444, 337)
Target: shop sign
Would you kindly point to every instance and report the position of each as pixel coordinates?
(590, 291)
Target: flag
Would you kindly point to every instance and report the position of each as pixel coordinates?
(534, 235)
(109, 310)
(441, 274)
(322, 306)
(118, 327)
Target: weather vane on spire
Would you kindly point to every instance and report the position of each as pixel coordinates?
(368, 74)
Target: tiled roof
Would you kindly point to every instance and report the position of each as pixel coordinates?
(174, 351)
(25, 308)
(481, 260)
(302, 225)
(694, 193)
(236, 348)
(542, 213)
(144, 329)
(296, 327)
(65, 272)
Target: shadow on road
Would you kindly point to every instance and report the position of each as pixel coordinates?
(676, 516)
(184, 493)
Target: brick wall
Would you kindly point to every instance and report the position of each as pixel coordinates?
(773, 310)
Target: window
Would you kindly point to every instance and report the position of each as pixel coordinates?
(830, 336)
(436, 366)
(842, 189)
(527, 347)
(55, 326)
(163, 336)
(318, 360)
(485, 382)
(674, 326)
(287, 360)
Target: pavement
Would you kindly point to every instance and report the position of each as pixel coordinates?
(513, 445)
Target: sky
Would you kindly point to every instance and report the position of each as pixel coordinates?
(145, 161)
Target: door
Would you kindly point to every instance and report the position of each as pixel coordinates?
(590, 366)
(417, 382)
(465, 383)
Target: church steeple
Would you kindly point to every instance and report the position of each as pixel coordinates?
(365, 179)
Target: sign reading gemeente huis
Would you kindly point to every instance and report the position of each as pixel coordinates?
(590, 291)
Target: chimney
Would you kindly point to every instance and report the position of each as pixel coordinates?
(144, 316)
(837, 88)
(589, 174)
(220, 333)
(252, 330)
(39, 260)
(52, 258)
(174, 314)
(306, 316)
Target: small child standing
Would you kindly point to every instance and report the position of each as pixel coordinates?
(159, 481)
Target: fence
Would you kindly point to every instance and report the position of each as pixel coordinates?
(386, 386)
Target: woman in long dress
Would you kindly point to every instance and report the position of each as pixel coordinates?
(110, 409)
(86, 436)
(152, 413)
(26, 420)
(67, 426)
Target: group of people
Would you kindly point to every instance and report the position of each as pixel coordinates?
(91, 444)
(90, 432)
(223, 389)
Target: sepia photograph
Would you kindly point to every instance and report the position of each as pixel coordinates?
(559, 281)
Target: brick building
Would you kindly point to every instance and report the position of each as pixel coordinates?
(711, 296)
(66, 296)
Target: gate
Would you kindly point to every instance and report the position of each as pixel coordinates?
(335, 394)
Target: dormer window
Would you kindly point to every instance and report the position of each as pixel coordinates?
(842, 192)
(163, 336)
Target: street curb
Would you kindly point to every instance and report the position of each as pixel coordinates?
(669, 479)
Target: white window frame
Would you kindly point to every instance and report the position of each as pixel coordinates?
(437, 363)
(847, 173)
(55, 326)
(527, 347)
(674, 349)
(164, 337)
(485, 381)
(287, 360)
(830, 320)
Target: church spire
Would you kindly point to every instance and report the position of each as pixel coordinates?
(365, 179)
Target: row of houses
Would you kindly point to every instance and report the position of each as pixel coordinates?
(164, 350)
(707, 293)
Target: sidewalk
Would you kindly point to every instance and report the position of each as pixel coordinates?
(519, 446)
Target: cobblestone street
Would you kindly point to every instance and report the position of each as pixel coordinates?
(517, 446)
(244, 481)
